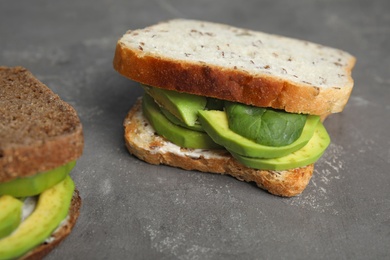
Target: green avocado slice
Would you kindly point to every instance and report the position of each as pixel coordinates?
(308, 154)
(196, 127)
(178, 135)
(182, 105)
(34, 185)
(10, 214)
(52, 207)
(216, 125)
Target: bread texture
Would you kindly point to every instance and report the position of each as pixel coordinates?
(144, 143)
(38, 130)
(237, 64)
(60, 234)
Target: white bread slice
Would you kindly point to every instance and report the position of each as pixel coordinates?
(144, 143)
(237, 64)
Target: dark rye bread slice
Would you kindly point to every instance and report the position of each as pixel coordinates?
(144, 143)
(237, 64)
(38, 130)
(59, 234)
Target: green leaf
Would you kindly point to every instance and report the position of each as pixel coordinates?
(264, 125)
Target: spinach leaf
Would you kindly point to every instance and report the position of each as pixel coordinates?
(264, 125)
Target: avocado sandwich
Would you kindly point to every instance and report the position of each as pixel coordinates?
(41, 138)
(234, 101)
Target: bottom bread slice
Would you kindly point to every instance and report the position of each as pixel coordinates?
(143, 142)
(59, 234)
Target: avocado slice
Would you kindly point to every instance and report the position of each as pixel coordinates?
(265, 126)
(308, 154)
(34, 185)
(184, 106)
(53, 206)
(176, 134)
(10, 214)
(196, 127)
(216, 125)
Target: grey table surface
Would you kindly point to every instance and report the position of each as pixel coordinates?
(133, 210)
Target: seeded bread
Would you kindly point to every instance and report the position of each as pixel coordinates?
(144, 143)
(236, 64)
(38, 130)
(60, 234)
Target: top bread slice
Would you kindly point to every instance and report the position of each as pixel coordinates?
(236, 64)
(38, 130)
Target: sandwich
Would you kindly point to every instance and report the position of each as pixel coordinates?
(234, 101)
(41, 138)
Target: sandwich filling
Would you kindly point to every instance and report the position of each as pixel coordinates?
(32, 208)
(259, 138)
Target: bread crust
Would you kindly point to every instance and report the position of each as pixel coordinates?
(230, 83)
(49, 147)
(60, 234)
(152, 148)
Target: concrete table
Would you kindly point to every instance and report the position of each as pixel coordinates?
(133, 210)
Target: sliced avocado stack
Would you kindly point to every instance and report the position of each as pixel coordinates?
(181, 105)
(54, 190)
(259, 138)
(216, 125)
(308, 154)
(177, 134)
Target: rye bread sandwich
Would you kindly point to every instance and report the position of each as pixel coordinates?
(228, 100)
(41, 138)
